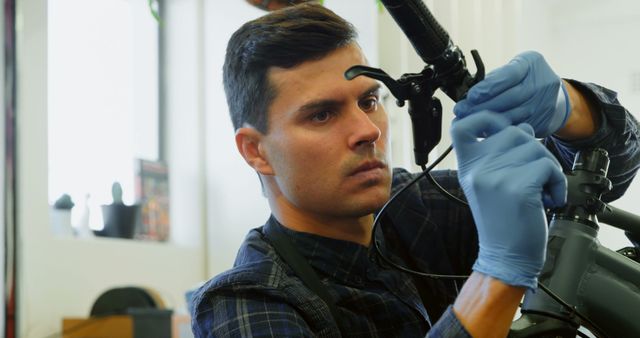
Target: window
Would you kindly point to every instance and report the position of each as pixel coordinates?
(103, 102)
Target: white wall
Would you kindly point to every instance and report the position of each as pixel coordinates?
(185, 130)
(61, 277)
(234, 200)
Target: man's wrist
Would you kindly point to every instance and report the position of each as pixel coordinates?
(486, 306)
(583, 120)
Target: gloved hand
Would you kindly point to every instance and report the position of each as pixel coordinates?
(526, 90)
(505, 177)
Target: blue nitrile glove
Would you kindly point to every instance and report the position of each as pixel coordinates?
(506, 177)
(526, 90)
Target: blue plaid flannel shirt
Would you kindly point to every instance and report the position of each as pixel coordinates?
(261, 296)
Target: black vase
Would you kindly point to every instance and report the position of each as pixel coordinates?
(119, 220)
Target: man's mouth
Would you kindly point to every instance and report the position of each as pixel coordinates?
(368, 167)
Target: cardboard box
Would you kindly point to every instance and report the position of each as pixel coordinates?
(98, 327)
(137, 324)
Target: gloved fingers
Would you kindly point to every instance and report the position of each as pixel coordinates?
(501, 79)
(523, 151)
(527, 128)
(547, 173)
(527, 148)
(547, 201)
(530, 131)
(526, 114)
(509, 99)
(520, 96)
(466, 132)
(515, 83)
(509, 140)
(485, 141)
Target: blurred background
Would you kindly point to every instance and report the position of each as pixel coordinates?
(114, 105)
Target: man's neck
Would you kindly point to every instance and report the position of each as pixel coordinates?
(352, 229)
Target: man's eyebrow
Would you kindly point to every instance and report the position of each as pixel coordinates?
(328, 103)
(319, 104)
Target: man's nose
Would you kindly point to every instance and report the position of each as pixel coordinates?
(364, 130)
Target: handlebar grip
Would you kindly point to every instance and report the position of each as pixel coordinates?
(426, 35)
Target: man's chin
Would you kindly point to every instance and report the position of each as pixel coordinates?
(373, 202)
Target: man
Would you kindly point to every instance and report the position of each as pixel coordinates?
(318, 143)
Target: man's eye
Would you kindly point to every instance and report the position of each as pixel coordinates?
(322, 116)
(369, 104)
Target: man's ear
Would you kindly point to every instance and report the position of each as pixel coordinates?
(248, 142)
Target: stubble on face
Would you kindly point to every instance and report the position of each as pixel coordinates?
(318, 170)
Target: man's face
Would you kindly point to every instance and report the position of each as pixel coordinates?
(327, 138)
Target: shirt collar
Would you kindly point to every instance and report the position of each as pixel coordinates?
(334, 258)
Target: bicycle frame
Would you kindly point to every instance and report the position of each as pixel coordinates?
(596, 282)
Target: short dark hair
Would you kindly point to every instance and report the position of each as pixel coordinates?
(283, 38)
